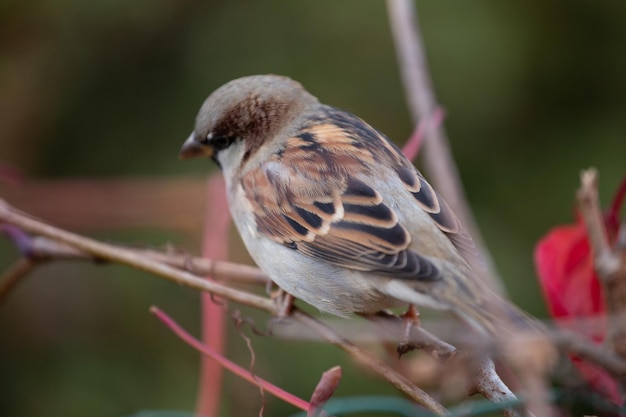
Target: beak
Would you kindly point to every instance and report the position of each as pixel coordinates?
(193, 149)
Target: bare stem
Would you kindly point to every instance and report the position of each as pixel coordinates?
(225, 363)
(571, 342)
(420, 95)
(592, 214)
(14, 274)
(489, 384)
(373, 363)
(610, 263)
(139, 261)
(45, 248)
(123, 256)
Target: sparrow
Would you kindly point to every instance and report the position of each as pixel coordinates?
(333, 212)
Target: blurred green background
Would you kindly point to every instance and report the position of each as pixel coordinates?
(534, 92)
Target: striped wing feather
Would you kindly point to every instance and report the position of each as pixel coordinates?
(308, 197)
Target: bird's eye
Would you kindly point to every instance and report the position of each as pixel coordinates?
(205, 140)
(219, 142)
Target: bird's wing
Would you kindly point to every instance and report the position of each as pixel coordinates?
(439, 211)
(311, 196)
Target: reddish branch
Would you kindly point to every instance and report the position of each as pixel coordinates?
(214, 246)
(45, 248)
(226, 364)
(132, 258)
(124, 256)
(52, 243)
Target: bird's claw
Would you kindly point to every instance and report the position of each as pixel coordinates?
(409, 319)
(284, 303)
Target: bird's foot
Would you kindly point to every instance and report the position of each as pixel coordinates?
(409, 319)
(284, 303)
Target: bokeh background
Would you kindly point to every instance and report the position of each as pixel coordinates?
(96, 98)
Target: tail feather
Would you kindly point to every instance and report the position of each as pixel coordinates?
(496, 316)
(474, 302)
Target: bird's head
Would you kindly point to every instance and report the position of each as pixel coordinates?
(237, 118)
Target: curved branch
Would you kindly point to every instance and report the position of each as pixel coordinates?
(133, 259)
(123, 256)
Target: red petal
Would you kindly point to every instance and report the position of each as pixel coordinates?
(565, 267)
(564, 264)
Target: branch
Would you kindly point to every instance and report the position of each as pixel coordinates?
(571, 342)
(489, 384)
(225, 363)
(610, 263)
(45, 248)
(589, 205)
(52, 243)
(126, 257)
(371, 362)
(123, 256)
(484, 380)
(14, 274)
(216, 226)
(420, 95)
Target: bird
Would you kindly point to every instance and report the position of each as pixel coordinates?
(333, 212)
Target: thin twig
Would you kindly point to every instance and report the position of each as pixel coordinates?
(573, 343)
(225, 363)
(43, 248)
(389, 325)
(133, 259)
(609, 263)
(485, 380)
(123, 256)
(47, 248)
(373, 363)
(592, 214)
(420, 95)
(218, 269)
(14, 274)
